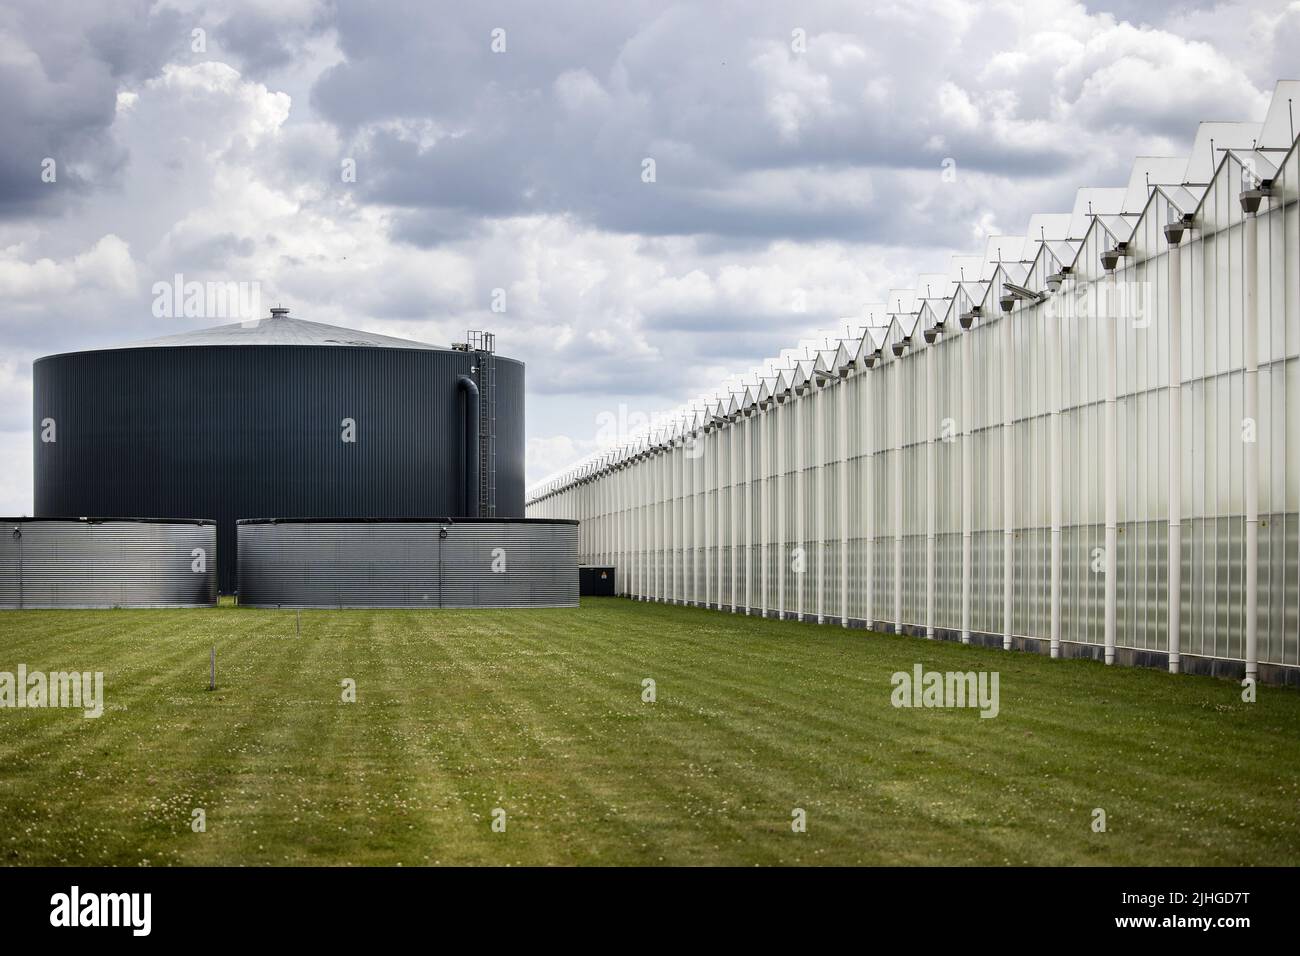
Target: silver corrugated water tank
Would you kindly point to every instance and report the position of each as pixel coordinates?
(433, 563)
(108, 562)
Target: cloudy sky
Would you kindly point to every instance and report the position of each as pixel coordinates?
(391, 166)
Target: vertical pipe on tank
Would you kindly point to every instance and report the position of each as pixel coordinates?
(469, 490)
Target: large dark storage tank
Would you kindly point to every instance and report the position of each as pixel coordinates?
(248, 421)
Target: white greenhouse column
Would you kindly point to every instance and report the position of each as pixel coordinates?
(665, 506)
(800, 525)
(638, 484)
(733, 496)
(654, 485)
(967, 484)
(651, 487)
(764, 496)
(667, 552)
(1174, 559)
(819, 436)
(1054, 372)
(624, 570)
(897, 417)
(702, 537)
(1110, 456)
(842, 391)
(665, 518)
(629, 523)
(679, 528)
(719, 523)
(615, 480)
(678, 546)
(670, 525)
(685, 524)
(749, 512)
(696, 470)
(670, 521)
(683, 542)
(647, 526)
(869, 415)
(636, 473)
(927, 421)
(782, 557)
(1008, 477)
(649, 484)
(1250, 343)
(648, 487)
(702, 558)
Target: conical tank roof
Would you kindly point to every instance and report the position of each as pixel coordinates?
(280, 329)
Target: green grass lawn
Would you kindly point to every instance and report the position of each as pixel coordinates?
(540, 713)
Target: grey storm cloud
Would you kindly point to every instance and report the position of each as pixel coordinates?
(61, 64)
(564, 118)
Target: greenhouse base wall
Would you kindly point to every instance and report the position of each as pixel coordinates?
(1277, 675)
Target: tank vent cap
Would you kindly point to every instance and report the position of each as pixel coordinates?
(279, 312)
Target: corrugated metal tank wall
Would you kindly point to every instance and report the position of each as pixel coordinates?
(106, 563)
(408, 564)
(230, 432)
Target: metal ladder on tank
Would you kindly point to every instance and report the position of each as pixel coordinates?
(483, 345)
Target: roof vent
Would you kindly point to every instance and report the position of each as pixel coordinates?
(1250, 198)
(279, 312)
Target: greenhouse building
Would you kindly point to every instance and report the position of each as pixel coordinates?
(1084, 441)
